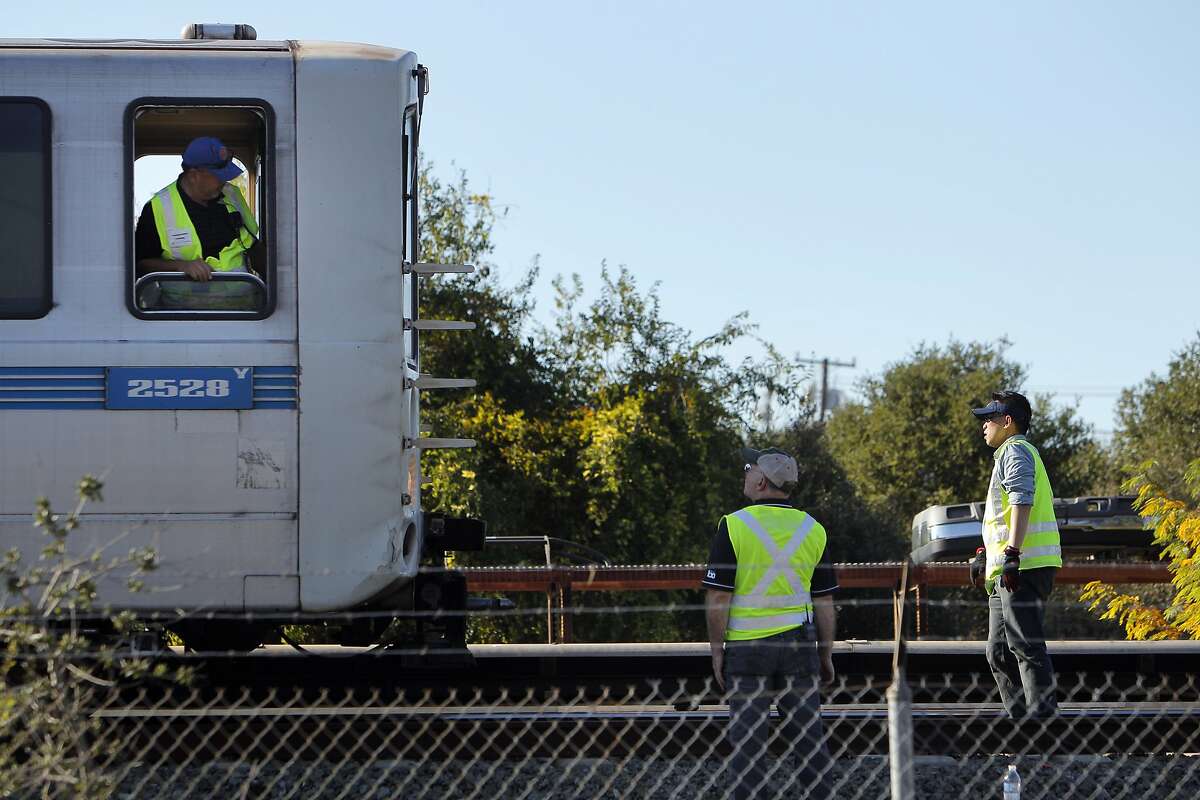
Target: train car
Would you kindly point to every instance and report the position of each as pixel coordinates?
(1089, 527)
(261, 432)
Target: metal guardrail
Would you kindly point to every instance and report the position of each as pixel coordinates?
(559, 583)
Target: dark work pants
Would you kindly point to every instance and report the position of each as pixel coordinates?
(781, 669)
(1016, 647)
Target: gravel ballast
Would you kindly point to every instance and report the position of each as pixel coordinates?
(1093, 777)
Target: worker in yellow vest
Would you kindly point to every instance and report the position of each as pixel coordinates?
(198, 225)
(771, 625)
(1018, 561)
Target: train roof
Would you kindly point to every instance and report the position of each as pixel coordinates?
(309, 47)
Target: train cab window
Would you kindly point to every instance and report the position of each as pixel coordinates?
(24, 208)
(201, 228)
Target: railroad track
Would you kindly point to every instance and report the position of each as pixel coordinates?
(937, 671)
(372, 732)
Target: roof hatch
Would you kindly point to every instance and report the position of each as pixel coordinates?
(220, 30)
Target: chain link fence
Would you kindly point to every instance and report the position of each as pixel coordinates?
(1115, 736)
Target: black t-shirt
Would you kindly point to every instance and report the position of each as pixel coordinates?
(722, 563)
(216, 226)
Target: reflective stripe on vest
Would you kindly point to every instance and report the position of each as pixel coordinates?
(779, 598)
(1041, 546)
(179, 240)
(781, 567)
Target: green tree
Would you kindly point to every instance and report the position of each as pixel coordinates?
(577, 423)
(510, 468)
(911, 442)
(611, 427)
(1159, 421)
(456, 228)
(658, 416)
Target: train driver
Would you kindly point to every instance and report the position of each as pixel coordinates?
(198, 225)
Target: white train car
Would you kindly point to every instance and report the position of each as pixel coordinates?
(268, 449)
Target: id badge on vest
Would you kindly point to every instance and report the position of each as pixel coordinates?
(178, 238)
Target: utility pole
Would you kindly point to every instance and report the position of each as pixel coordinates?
(825, 363)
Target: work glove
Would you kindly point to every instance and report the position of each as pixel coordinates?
(1010, 578)
(978, 565)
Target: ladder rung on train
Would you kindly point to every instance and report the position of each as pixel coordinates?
(424, 382)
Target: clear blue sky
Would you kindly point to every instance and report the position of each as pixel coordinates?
(859, 177)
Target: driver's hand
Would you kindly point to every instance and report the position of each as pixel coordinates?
(196, 270)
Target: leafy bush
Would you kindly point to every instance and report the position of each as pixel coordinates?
(1177, 532)
(61, 654)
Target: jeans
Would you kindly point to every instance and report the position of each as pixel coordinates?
(781, 669)
(1016, 647)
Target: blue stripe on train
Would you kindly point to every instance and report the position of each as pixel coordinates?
(51, 371)
(51, 382)
(40, 405)
(82, 388)
(50, 394)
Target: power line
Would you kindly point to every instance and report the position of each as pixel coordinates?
(1081, 391)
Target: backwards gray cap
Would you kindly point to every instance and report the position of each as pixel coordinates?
(779, 467)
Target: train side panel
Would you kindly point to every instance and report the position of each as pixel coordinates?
(216, 492)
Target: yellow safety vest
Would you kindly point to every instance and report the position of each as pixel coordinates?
(777, 551)
(178, 237)
(1041, 547)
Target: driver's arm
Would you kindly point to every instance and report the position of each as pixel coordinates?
(196, 270)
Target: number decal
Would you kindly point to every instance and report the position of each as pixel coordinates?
(190, 387)
(187, 387)
(179, 388)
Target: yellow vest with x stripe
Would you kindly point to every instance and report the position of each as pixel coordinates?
(177, 233)
(777, 551)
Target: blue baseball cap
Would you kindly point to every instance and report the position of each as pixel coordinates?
(209, 153)
(1007, 402)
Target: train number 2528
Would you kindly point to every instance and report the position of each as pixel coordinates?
(181, 387)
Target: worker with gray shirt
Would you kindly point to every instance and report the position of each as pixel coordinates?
(1019, 559)
(771, 626)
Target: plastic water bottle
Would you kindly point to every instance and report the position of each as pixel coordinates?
(1012, 784)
